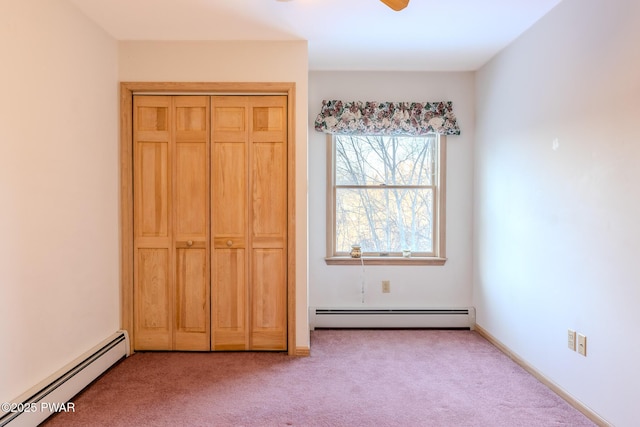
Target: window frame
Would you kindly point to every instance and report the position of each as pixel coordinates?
(439, 221)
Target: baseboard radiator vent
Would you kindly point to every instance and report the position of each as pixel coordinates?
(53, 394)
(374, 318)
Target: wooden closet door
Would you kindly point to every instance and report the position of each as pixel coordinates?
(249, 223)
(153, 253)
(171, 223)
(268, 223)
(191, 223)
(229, 185)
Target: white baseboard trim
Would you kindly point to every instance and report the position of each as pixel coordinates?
(54, 393)
(543, 379)
(400, 317)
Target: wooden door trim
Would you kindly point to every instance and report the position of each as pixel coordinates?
(127, 90)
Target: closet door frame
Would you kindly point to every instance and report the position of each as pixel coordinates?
(127, 90)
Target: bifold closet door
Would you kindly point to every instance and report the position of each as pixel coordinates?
(171, 223)
(249, 223)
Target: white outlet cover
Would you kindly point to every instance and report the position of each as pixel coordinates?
(582, 345)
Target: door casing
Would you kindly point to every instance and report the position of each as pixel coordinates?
(127, 90)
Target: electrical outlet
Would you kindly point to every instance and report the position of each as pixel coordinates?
(582, 345)
(571, 339)
(386, 286)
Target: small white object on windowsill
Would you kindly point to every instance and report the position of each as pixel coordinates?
(406, 253)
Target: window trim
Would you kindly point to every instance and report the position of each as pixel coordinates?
(439, 244)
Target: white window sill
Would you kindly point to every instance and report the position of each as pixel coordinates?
(338, 260)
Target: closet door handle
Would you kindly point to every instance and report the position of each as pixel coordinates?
(229, 243)
(190, 243)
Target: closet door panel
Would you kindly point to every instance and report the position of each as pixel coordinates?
(249, 222)
(153, 299)
(229, 300)
(191, 198)
(192, 300)
(191, 169)
(229, 214)
(229, 117)
(268, 284)
(269, 115)
(268, 300)
(191, 118)
(153, 271)
(269, 203)
(229, 191)
(191, 222)
(152, 187)
(191, 237)
(171, 223)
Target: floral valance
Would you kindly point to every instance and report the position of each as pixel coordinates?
(387, 118)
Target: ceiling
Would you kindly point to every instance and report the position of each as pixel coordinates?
(429, 35)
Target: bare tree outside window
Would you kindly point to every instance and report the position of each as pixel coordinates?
(385, 193)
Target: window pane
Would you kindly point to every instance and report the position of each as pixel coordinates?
(384, 219)
(390, 160)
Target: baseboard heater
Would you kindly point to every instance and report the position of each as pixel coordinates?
(439, 318)
(53, 394)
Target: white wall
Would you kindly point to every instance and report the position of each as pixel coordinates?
(58, 190)
(419, 286)
(556, 230)
(240, 61)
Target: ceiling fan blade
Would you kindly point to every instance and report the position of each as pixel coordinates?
(396, 4)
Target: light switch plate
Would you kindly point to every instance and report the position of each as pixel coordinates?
(571, 339)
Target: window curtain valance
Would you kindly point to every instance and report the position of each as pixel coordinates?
(387, 118)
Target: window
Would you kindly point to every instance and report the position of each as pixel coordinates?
(386, 194)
